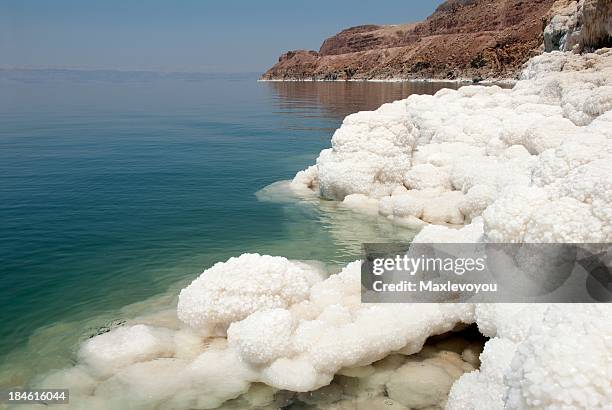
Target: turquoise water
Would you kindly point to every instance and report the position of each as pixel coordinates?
(116, 187)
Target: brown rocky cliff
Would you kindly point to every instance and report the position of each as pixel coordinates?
(362, 38)
(461, 39)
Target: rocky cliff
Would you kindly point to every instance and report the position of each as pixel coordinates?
(579, 25)
(461, 39)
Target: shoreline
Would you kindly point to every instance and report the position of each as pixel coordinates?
(464, 157)
(463, 81)
(287, 327)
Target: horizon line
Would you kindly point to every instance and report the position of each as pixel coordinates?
(124, 70)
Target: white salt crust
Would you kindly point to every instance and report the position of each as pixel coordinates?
(531, 164)
(533, 161)
(303, 345)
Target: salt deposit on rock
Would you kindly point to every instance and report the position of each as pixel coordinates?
(484, 388)
(523, 159)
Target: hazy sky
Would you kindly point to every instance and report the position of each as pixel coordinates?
(184, 35)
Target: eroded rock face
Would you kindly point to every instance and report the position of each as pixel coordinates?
(461, 39)
(368, 37)
(597, 23)
(580, 25)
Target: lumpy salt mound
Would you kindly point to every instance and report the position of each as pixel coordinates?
(231, 291)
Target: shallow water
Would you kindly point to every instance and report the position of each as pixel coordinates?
(116, 187)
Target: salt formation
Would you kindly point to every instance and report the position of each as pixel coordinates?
(531, 164)
(298, 340)
(215, 300)
(339, 352)
(330, 351)
(522, 159)
(528, 164)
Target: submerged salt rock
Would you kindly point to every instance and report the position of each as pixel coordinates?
(260, 395)
(143, 385)
(360, 371)
(232, 290)
(188, 344)
(361, 203)
(120, 347)
(217, 375)
(325, 395)
(410, 222)
(471, 233)
(376, 403)
(423, 380)
(424, 383)
(429, 205)
(76, 378)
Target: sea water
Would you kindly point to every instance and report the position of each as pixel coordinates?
(118, 188)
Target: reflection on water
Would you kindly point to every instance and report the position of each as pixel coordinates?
(338, 99)
(328, 226)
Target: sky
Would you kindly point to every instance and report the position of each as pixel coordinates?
(181, 35)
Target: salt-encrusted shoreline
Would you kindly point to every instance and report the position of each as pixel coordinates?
(531, 164)
(527, 164)
(465, 148)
